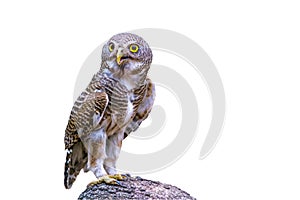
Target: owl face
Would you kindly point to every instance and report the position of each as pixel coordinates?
(126, 54)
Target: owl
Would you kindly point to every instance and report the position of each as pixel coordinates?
(114, 104)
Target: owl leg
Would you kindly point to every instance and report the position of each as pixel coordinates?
(95, 144)
(113, 147)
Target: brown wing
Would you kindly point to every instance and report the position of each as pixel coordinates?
(86, 114)
(143, 109)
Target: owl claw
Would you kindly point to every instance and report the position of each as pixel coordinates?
(108, 179)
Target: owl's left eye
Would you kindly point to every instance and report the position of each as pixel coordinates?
(134, 48)
(111, 47)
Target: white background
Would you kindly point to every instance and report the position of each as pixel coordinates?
(254, 44)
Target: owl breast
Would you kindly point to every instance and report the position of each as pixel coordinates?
(120, 109)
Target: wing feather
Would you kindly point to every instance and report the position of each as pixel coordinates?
(86, 114)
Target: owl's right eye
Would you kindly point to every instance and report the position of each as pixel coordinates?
(111, 47)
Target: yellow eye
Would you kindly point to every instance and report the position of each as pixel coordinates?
(111, 47)
(134, 48)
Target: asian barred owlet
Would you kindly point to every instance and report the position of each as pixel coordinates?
(118, 98)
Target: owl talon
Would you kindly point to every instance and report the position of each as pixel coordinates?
(108, 179)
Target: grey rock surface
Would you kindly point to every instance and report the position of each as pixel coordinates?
(134, 188)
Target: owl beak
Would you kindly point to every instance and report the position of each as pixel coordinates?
(119, 56)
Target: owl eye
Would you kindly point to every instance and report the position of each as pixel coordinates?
(134, 48)
(111, 47)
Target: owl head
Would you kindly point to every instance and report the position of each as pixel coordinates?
(126, 54)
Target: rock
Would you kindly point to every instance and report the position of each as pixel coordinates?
(134, 188)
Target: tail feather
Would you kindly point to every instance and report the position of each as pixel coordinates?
(76, 159)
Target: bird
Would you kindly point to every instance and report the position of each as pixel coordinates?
(117, 100)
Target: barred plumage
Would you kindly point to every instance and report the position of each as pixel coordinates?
(116, 101)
